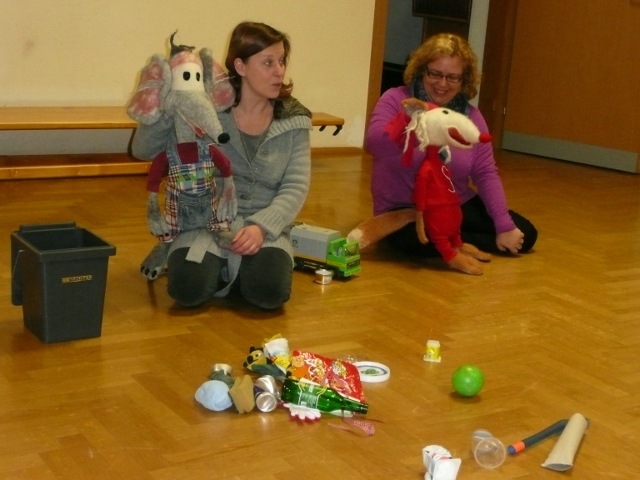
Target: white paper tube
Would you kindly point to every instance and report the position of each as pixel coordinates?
(562, 454)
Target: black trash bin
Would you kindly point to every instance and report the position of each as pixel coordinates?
(59, 276)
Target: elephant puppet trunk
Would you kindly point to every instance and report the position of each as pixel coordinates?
(194, 116)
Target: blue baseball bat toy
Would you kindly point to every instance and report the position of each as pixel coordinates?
(554, 429)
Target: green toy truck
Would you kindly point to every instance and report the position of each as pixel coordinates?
(317, 247)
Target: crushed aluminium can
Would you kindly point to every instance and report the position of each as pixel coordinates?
(266, 393)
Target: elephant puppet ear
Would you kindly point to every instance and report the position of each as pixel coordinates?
(412, 105)
(216, 82)
(146, 104)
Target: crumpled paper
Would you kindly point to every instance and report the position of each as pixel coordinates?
(214, 395)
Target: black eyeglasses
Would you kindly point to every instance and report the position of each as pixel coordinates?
(435, 75)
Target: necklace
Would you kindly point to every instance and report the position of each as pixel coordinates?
(251, 143)
(254, 142)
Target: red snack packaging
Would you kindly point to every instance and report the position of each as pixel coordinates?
(339, 375)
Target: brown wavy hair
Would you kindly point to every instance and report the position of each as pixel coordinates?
(249, 38)
(445, 45)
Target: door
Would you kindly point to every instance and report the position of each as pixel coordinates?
(573, 82)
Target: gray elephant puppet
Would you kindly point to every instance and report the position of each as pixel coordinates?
(187, 90)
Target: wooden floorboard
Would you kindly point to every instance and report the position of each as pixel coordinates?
(556, 332)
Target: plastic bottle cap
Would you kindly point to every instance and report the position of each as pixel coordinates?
(373, 372)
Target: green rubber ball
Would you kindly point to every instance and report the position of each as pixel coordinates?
(467, 380)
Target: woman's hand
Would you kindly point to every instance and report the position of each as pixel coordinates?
(511, 241)
(248, 240)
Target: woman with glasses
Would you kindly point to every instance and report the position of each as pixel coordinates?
(443, 71)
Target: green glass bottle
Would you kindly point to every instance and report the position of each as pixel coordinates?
(323, 398)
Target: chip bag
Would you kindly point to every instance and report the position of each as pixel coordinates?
(339, 375)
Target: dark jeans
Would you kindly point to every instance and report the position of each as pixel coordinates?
(477, 229)
(264, 279)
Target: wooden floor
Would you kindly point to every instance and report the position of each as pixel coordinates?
(556, 332)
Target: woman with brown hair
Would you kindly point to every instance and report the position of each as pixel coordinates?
(270, 157)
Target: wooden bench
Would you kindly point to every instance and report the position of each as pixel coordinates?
(81, 118)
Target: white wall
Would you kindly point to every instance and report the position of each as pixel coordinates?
(89, 52)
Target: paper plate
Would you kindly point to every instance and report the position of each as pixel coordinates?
(373, 372)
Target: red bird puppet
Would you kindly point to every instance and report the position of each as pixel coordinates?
(438, 215)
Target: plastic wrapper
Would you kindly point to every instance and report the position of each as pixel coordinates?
(339, 375)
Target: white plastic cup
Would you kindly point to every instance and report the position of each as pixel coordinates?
(488, 451)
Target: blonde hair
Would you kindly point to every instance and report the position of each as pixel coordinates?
(445, 45)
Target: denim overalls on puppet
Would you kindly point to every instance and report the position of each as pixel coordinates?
(190, 201)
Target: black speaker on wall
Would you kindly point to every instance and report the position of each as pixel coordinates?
(444, 9)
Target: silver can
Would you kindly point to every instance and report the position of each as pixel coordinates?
(266, 401)
(267, 383)
(222, 367)
(323, 276)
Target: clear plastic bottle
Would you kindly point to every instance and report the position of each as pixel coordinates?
(322, 398)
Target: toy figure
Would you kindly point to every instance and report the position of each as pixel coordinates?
(188, 89)
(437, 215)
